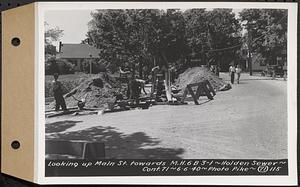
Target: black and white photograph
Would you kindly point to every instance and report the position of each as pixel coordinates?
(167, 84)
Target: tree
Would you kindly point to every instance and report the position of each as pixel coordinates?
(209, 32)
(138, 37)
(144, 38)
(51, 65)
(266, 31)
(51, 35)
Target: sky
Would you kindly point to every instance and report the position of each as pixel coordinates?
(74, 24)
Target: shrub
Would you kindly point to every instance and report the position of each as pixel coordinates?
(97, 66)
(54, 65)
(50, 65)
(65, 67)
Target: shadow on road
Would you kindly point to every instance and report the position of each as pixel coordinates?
(120, 146)
(241, 82)
(251, 79)
(202, 100)
(60, 126)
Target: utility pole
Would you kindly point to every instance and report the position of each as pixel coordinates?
(203, 59)
(218, 63)
(90, 55)
(249, 43)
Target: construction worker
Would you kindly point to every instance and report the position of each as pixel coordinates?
(141, 84)
(135, 87)
(58, 94)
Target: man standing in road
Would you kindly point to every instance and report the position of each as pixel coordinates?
(231, 73)
(58, 94)
(238, 71)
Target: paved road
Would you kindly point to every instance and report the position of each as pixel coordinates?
(247, 122)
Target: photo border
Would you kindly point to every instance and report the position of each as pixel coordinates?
(291, 179)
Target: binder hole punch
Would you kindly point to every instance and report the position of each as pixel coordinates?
(15, 144)
(15, 42)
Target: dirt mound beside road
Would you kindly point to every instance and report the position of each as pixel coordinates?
(97, 91)
(197, 74)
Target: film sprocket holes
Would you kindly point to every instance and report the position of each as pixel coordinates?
(150, 92)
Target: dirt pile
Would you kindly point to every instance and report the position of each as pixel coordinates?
(96, 91)
(197, 74)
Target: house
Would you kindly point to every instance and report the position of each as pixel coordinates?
(77, 54)
(259, 63)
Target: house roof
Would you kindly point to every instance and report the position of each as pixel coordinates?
(78, 51)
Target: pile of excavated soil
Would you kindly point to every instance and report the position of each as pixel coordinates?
(97, 91)
(197, 74)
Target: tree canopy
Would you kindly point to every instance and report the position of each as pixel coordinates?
(51, 35)
(212, 32)
(266, 30)
(145, 38)
(152, 37)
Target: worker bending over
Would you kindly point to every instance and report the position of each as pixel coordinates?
(135, 87)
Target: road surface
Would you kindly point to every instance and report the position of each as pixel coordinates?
(247, 122)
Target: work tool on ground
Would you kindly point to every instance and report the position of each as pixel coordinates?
(80, 103)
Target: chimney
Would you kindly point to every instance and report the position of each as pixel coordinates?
(59, 47)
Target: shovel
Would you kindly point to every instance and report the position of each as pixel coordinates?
(80, 103)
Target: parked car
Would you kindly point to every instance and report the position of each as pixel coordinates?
(273, 71)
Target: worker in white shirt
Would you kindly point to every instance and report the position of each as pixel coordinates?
(231, 73)
(238, 71)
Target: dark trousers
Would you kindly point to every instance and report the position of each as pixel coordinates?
(232, 78)
(238, 77)
(60, 102)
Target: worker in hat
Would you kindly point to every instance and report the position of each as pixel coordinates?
(58, 94)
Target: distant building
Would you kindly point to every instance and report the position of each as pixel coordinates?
(77, 54)
(259, 63)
